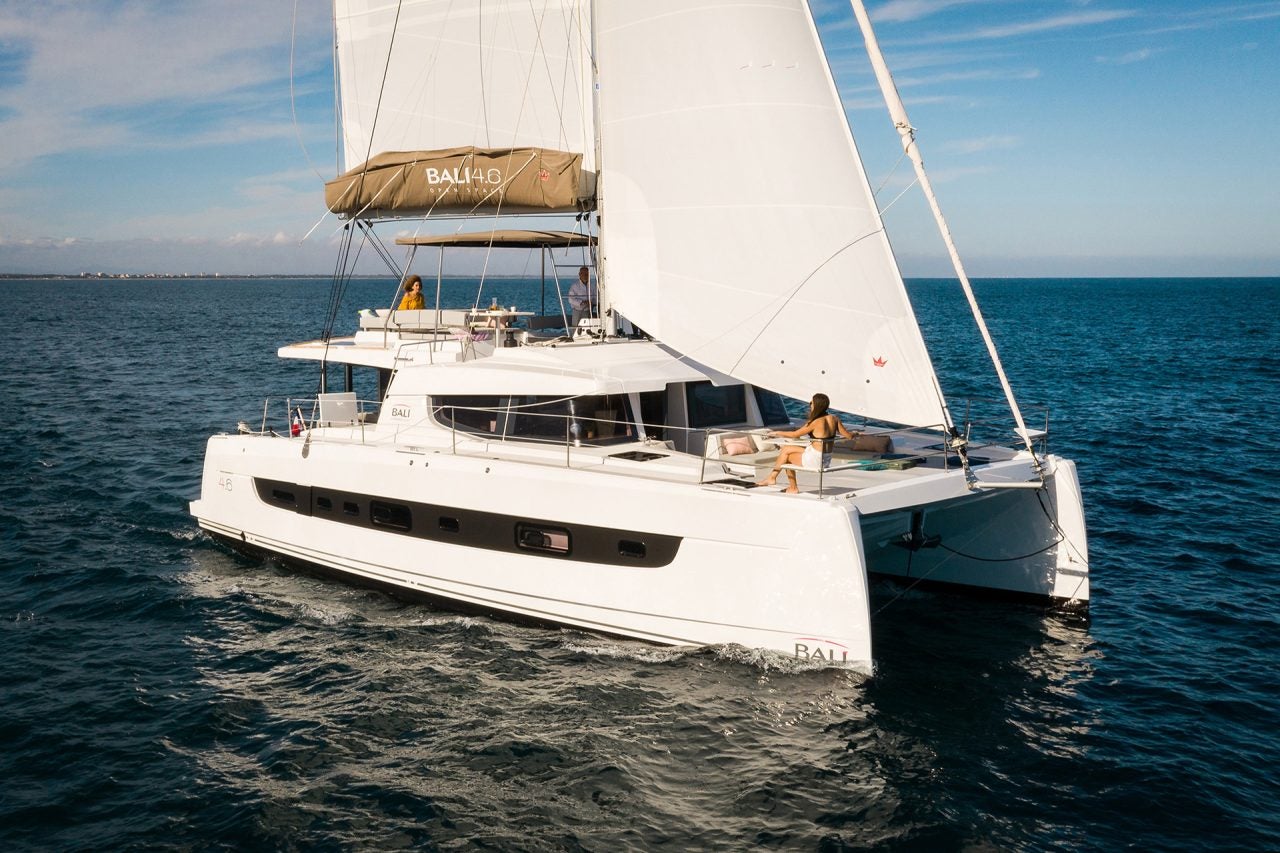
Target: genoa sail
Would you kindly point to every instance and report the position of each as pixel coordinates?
(738, 226)
(461, 104)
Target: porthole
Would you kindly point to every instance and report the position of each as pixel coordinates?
(631, 549)
(395, 516)
(541, 538)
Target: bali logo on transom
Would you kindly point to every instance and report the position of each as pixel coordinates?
(813, 648)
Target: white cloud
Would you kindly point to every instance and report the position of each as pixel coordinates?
(103, 75)
(976, 146)
(1132, 56)
(1023, 28)
(911, 10)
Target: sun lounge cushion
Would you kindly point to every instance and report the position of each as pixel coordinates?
(873, 443)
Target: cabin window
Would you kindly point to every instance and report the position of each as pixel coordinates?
(539, 537)
(772, 410)
(538, 418)
(395, 516)
(324, 503)
(449, 525)
(607, 418)
(653, 413)
(715, 405)
(631, 549)
(600, 419)
(470, 412)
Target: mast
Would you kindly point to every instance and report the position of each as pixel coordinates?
(898, 113)
(594, 82)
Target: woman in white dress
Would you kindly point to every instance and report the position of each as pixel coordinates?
(822, 428)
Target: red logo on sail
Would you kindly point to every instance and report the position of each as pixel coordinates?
(544, 175)
(878, 362)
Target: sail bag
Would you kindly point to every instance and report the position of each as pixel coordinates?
(405, 183)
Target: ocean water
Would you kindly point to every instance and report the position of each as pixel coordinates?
(160, 692)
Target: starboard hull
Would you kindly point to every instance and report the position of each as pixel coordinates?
(1021, 544)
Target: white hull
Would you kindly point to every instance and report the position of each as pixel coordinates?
(1028, 544)
(751, 567)
(746, 572)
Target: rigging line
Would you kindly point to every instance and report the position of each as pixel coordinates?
(339, 269)
(293, 103)
(382, 87)
(349, 265)
(1053, 522)
(384, 253)
(905, 190)
(360, 189)
(786, 299)
(488, 252)
(998, 559)
(484, 102)
(338, 132)
(906, 133)
(546, 66)
(890, 174)
(907, 588)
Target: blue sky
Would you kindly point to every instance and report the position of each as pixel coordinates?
(1064, 137)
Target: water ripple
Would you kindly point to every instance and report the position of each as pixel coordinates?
(160, 692)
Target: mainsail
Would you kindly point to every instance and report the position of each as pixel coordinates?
(461, 104)
(738, 226)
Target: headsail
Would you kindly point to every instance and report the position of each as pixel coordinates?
(738, 225)
(457, 104)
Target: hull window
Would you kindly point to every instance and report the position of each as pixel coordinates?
(631, 550)
(547, 540)
(472, 528)
(395, 516)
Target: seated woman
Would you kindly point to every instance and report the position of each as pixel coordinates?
(822, 428)
(412, 300)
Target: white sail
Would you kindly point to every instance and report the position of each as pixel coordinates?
(426, 75)
(738, 226)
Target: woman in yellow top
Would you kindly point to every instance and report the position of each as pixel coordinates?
(821, 427)
(412, 300)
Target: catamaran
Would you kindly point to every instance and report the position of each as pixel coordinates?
(698, 160)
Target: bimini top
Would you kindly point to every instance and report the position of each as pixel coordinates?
(506, 239)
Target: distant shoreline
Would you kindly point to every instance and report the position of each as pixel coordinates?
(198, 276)
(107, 277)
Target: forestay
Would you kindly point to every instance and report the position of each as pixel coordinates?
(738, 225)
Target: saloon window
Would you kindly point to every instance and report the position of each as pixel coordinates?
(600, 419)
(470, 412)
(772, 411)
(712, 405)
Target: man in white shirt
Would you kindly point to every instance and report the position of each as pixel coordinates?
(582, 297)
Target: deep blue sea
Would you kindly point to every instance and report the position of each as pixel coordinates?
(160, 692)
